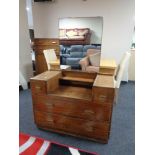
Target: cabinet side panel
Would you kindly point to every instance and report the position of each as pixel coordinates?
(53, 83)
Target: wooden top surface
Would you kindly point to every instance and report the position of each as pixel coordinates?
(104, 81)
(108, 63)
(74, 92)
(45, 76)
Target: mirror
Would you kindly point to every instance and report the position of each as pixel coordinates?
(80, 42)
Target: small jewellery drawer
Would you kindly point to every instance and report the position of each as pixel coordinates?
(103, 94)
(73, 125)
(71, 108)
(107, 71)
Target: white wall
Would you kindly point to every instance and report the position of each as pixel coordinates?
(25, 62)
(132, 66)
(94, 23)
(118, 16)
(29, 13)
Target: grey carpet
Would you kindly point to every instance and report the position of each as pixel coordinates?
(122, 138)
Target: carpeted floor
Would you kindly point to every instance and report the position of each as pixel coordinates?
(122, 138)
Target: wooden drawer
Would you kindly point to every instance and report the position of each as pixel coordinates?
(55, 67)
(73, 108)
(46, 42)
(39, 49)
(107, 71)
(72, 125)
(44, 83)
(38, 87)
(103, 95)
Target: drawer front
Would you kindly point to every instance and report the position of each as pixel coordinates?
(66, 107)
(39, 49)
(38, 87)
(103, 95)
(55, 67)
(107, 71)
(72, 125)
(46, 41)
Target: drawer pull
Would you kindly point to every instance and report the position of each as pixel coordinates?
(49, 104)
(37, 87)
(90, 129)
(53, 42)
(89, 126)
(89, 112)
(102, 97)
(48, 119)
(51, 120)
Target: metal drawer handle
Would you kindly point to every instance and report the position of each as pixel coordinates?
(89, 128)
(89, 112)
(53, 42)
(48, 118)
(51, 120)
(37, 87)
(50, 104)
(102, 97)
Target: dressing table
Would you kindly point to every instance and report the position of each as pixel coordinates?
(74, 103)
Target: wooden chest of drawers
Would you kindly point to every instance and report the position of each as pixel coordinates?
(41, 44)
(80, 108)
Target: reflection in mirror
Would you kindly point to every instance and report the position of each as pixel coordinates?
(80, 42)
